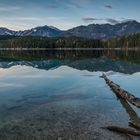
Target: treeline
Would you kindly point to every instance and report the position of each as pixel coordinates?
(45, 42)
(131, 41)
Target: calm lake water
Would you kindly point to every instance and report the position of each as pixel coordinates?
(60, 95)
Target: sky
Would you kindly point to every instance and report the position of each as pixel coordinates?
(65, 14)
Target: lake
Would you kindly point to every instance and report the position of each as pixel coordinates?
(59, 95)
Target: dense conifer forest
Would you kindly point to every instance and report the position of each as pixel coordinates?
(130, 41)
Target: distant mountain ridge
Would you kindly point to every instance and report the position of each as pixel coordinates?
(48, 31)
(100, 31)
(5, 31)
(93, 31)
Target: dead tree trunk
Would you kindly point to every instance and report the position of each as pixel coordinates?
(125, 97)
(122, 93)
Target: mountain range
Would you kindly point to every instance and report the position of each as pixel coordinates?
(93, 31)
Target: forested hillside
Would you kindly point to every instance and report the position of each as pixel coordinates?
(131, 41)
(45, 42)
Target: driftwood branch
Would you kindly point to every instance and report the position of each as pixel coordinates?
(125, 97)
(134, 118)
(123, 130)
(122, 93)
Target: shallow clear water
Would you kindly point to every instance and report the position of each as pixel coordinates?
(64, 99)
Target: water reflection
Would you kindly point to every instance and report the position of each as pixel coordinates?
(124, 62)
(44, 96)
(127, 56)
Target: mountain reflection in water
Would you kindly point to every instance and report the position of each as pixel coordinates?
(119, 61)
(60, 95)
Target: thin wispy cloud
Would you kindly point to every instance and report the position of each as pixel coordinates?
(72, 4)
(32, 18)
(9, 8)
(116, 21)
(22, 18)
(26, 18)
(109, 20)
(126, 20)
(112, 21)
(15, 25)
(55, 18)
(108, 6)
(52, 6)
(90, 19)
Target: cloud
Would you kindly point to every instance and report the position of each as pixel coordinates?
(55, 18)
(108, 6)
(90, 19)
(126, 20)
(11, 85)
(112, 21)
(116, 21)
(22, 18)
(15, 25)
(65, 25)
(109, 20)
(27, 18)
(72, 4)
(9, 8)
(52, 6)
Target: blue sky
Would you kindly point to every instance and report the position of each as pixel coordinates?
(65, 14)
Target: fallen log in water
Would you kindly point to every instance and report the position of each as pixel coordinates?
(133, 116)
(134, 130)
(122, 93)
(125, 97)
(128, 131)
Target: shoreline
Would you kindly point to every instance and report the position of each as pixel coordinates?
(68, 49)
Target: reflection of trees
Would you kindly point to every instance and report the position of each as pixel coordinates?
(53, 54)
(129, 56)
(82, 60)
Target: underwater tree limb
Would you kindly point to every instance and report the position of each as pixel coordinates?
(122, 93)
(123, 130)
(125, 97)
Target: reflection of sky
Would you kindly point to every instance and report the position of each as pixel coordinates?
(14, 75)
(31, 85)
(25, 79)
(2, 71)
(29, 72)
(28, 79)
(128, 82)
(28, 76)
(18, 81)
